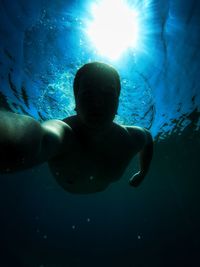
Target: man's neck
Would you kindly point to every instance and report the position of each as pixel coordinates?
(95, 134)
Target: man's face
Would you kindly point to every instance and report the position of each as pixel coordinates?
(97, 99)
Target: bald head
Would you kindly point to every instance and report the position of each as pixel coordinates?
(94, 69)
(96, 91)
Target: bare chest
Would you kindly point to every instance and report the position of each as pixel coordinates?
(88, 168)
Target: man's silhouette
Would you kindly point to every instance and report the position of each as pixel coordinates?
(85, 152)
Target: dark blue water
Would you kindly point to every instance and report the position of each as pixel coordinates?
(154, 225)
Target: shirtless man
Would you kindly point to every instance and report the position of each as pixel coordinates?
(85, 152)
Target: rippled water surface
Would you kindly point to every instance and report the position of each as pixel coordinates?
(42, 46)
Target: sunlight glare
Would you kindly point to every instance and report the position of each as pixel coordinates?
(114, 28)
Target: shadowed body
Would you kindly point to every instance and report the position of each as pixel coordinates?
(85, 152)
(91, 165)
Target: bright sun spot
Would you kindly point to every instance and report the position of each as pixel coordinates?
(114, 28)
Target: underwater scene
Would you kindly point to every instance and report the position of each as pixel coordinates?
(155, 47)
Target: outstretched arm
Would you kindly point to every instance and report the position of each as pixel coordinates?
(24, 142)
(145, 157)
(20, 139)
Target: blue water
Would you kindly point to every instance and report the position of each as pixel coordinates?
(42, 44)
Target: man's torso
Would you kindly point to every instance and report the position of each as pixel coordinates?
(89, 166)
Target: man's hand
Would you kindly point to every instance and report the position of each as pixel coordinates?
(136, 179)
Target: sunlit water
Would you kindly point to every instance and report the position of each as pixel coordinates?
(42, 46)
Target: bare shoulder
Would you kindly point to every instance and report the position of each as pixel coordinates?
(140, 136)
(56, 136)
(56, 127)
